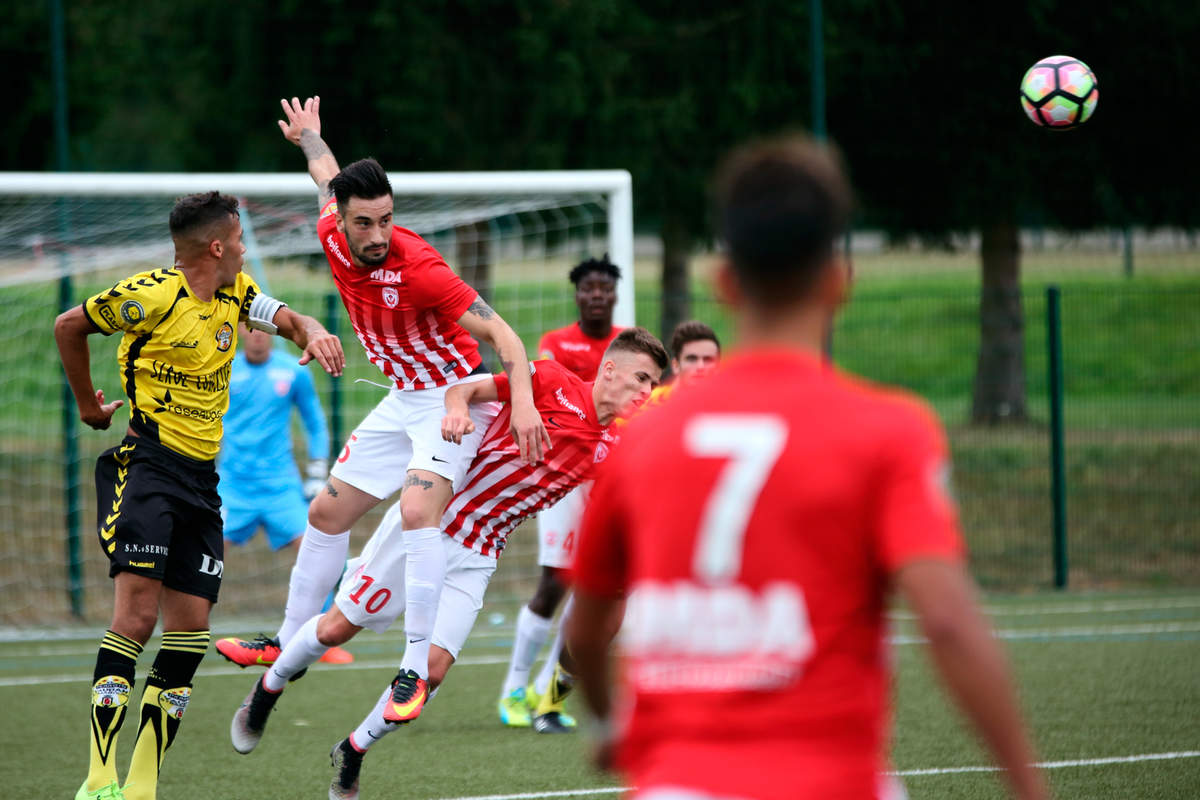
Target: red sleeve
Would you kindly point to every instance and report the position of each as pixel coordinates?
(433, 284)
(917, 517)
(503, 388)
(601, 556)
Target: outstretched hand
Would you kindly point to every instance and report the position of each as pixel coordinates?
(326, 350)
(300, 117)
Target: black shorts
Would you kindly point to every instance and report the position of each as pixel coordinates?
(159, 515)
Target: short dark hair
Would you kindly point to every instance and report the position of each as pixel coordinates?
(639, 340)
(781, 205)
(693, 330)
(601, 264)
(364, 179)
(195, 212)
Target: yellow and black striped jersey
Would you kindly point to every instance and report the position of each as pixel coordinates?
(175, 355)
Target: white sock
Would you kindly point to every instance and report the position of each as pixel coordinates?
(303, 649)
(373, 727)
(424, 573)
(318, 566)
(542, 684)
(532, 632)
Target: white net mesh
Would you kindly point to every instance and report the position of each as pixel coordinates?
(515, 247)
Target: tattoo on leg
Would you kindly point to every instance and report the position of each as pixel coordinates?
(481, 309)
(332, 491)
(413, 480)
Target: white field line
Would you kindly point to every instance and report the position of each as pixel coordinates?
(1041, 634)
(1083, 762)
(1083, 607)
(75, 633)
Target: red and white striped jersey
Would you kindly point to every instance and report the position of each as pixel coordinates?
(500, 489)
(405, 312)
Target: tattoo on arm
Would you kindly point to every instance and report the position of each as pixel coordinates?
(312, 145)
(508, 367)
(332, 491)
(481, 309)
(323, 193)
(413, 480)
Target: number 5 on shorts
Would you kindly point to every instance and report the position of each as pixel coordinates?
(752, 443)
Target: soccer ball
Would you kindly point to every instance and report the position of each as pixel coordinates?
(1059, 92)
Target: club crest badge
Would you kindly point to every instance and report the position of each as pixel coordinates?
(390, 296)
(132, 312)
(224, 337)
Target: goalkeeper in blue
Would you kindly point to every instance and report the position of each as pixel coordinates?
(260, 484)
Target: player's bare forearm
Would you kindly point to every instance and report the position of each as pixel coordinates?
(485, 324)
(71, 330)
(322, 166)
(588, 640)
(310, 336)
(973, 667)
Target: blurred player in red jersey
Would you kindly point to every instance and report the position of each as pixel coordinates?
(415, 319)
(579, 347)
(499, 491)
(756, 525)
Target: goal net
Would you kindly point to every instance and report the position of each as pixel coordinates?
(513, 236)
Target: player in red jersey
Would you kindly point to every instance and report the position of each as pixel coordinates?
(695, 350)
(756, 525)
(579, 347)
(500, 490)
(415, 319)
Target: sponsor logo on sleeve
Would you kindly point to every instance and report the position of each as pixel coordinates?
(132, 312)
(108, 316)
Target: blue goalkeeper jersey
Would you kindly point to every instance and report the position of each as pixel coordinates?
(257, 445)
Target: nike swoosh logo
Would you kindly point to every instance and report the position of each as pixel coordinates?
(440, 460)
(414, 641)
(550, 421)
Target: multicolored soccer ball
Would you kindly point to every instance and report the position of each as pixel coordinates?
(1059, 92)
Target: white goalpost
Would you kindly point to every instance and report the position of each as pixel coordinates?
(63, 236)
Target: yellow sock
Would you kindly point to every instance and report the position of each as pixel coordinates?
(162, 708)
(112, 688)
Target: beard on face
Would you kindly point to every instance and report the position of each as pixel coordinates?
(369, 260)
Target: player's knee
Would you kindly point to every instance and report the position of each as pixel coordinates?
(136, 623)
(334, 629)
(420, 510)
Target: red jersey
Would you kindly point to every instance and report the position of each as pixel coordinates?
(500, 490)
(575, 350)
(754, 523)
(404, 311)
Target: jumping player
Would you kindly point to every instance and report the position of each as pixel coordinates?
(499, 491)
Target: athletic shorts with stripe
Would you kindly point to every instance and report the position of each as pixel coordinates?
(372, 593)
(404, 432)
(159, 515)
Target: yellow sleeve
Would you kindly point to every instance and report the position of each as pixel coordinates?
(134, 305)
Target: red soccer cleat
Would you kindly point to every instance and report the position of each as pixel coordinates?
(409, 691)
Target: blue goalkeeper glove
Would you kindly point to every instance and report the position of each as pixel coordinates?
(317, 472)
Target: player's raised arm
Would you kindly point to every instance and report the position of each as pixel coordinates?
(310, 336)
(303, 129)
(71, 330)
(459, 398)
(482, 322)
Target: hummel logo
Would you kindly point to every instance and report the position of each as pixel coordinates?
(440, 460)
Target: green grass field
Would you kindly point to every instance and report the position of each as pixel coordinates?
(1109, 683)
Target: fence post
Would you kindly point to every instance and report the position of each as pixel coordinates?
(1058, 480)
(335, 385)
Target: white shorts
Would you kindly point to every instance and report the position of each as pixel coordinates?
(558, 528)
(372, 594)
(403, 432)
